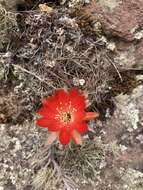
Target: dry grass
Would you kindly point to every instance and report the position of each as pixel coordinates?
(51, 51)
(7, 23)
(68, 168)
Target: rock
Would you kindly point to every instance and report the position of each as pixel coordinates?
(139, 55)
(10, 5)
(125, 128)
(125, 55)
(18, 145)
(138, 35)
(110, 4)
(121, 20)
(10, 187)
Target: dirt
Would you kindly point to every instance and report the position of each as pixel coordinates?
(92, 42)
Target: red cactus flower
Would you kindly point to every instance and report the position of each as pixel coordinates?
(64, 115)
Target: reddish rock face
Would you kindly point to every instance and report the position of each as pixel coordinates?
(122, 21)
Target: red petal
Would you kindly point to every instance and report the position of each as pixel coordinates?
(64, 137)
(50, 103)
(73, 92)
(48, 113)
(77, 137)
(43, 111)
(61, 96)
(77, 99)
(54, 127)
(91, 115)
(78, 116)
(49, 119)
(78, 102)
(44, 122)
(81, 127)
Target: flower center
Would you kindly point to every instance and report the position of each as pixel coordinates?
(66, 117)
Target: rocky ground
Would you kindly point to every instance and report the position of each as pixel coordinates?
(96, 46)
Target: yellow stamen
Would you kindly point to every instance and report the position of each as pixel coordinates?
(66, 117)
